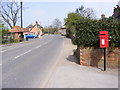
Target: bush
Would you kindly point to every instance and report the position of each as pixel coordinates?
(87, 31)
(13, 41)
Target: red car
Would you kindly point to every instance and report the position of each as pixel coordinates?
(42, 34)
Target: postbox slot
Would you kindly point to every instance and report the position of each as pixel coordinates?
(102, 34)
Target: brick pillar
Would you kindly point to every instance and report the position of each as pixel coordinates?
(82, 60)
(16, 36)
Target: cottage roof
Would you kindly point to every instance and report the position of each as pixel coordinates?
(16, 29)
(30, 26)
(26, 29)
(19, 29)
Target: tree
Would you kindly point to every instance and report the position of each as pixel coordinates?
(85, 12)
(9, 12)
(56, 23)
(85, 31)
(80, 10)
(89, 13)
(75, 17)
(70, 23)
(3, 29)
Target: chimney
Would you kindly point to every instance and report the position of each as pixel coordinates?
(36, 22)
(103, 16)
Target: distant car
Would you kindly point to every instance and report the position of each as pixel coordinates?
(42, 34)
(30, 36)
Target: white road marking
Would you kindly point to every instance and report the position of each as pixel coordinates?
(18, 56)
(18, 47)
(26, 45)
(38, 46)
(44, 43)
(3, 51)
(27, 51)
(23, 54)
(31, 50)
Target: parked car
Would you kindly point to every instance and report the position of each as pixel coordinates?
(42, 34)
(30, 36)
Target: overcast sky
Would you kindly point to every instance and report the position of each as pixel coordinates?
(45, 12)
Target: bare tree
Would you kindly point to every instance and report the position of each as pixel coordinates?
(80, 10)
(9, 12)
(89, 13)
(86, 12)
(56, 23)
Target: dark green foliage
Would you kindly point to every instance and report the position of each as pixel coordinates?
(70, 23)
(3, 31)
(113, 27)
(86, 31)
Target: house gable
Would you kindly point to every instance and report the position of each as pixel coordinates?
(34, 30)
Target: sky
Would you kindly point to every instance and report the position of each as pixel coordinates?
(46, 11)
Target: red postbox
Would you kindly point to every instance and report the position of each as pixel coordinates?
(104, 42)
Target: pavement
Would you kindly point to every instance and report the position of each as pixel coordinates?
(69, 74)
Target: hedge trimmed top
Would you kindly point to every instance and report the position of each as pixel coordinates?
(85, 31)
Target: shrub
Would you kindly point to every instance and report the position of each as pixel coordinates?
(87, 31)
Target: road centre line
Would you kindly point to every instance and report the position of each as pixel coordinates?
(38, 46)
(44, 43)
(3, 51)
(23, 54)
(27, 51)
(32, 49)
(18, 56)
(18, 47)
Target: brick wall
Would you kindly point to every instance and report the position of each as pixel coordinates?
(94, 57)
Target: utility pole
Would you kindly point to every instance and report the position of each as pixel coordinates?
(21, 15)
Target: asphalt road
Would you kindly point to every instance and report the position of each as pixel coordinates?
(30, 65)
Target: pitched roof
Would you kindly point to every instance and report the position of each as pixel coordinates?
(19, 29)
(16, 29)
(26, 29)
(30, 26)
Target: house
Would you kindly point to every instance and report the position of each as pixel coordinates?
(36, 29)
(116, 12)
(19, 32)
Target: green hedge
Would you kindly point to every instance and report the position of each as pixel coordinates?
(87, 30)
